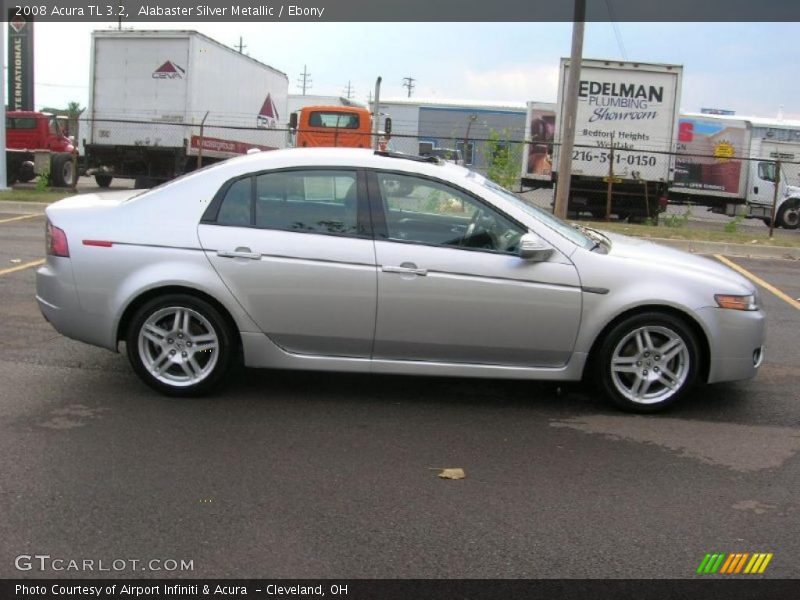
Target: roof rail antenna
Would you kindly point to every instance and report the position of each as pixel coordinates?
(414, 157)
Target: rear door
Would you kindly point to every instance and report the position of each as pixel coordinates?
(295, 247)
(451, 287)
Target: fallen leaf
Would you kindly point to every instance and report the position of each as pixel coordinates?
(452, 474)
(15, 261)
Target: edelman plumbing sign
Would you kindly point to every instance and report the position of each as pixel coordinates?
(20, 62)
(632, 104)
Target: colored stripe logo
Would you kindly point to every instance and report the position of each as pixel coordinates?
(736, 563)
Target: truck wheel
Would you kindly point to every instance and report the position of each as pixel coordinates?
(789, 215)
(767, 221)
(61, 170)
(103, 181)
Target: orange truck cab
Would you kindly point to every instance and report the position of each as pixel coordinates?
(338, 126)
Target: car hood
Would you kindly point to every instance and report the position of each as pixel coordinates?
(664, 258)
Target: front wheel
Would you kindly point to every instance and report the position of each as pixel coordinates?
(179, 345)
(789, 215)
(647, 362)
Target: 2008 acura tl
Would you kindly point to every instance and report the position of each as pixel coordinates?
(351, 260)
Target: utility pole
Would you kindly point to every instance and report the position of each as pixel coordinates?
(408, 83)
(570, 108)
(241, 46)
(305, 80)
(349, 91)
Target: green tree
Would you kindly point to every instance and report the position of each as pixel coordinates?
(503, 158)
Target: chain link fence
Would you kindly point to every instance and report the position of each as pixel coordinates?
(611, 178)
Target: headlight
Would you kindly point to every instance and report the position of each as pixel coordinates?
(748, 302)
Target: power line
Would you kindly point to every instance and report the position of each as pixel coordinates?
(408, 83)
(617, 32)
(304, 82)
(349, 91)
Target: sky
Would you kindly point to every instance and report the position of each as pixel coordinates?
(747, 67)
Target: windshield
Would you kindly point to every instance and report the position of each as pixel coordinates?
(564, 229)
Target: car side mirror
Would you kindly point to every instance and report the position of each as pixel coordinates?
(388, 126)
(293, 121)
(533, 248)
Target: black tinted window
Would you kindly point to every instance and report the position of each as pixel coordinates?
(337, 120)
(420, 210)
(311, 201)
(235, 208)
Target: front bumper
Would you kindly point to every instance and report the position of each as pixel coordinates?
(736, 340)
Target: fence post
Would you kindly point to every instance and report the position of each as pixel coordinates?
(200, 142)
(610, 187)
(775, 197)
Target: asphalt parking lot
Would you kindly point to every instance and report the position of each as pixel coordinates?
(285, 474)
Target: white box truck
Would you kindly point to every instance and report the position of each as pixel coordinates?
(151, 90)
(712, 169)
(635, 105)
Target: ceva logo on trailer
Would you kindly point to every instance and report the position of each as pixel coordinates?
(169, 70)
(268, 115)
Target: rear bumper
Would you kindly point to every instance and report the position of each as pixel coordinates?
(58, 301)
(736, 340)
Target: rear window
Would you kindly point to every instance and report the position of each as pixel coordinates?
(334, 120)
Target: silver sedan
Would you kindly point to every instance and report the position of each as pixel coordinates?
(350, 260)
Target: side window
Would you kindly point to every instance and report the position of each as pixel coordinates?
(235, 207)
(420, 210)
(324, 201)
(766, 171)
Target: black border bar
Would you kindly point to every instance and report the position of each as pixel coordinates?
(733, 588)
(177, 11)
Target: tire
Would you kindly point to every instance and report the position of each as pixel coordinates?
(631, 369)
(103, 181)
(191, 361)
(789, 215)
(62, 170)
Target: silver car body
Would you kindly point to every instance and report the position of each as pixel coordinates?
(323, 302)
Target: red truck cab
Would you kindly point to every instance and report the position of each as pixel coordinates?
(30, 130)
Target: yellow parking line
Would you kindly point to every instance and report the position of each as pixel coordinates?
(22, 267)
(21, 217)
(757, 280)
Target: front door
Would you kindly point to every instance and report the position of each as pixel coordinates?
(451, 287)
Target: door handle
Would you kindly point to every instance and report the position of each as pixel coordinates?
(239, 253)
(755, 189)
(405, 269)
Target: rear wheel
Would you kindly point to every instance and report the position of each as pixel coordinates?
(103, 181)
(179, 345)
(789, 215)
(647, 362)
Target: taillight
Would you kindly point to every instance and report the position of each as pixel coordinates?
(56, 241)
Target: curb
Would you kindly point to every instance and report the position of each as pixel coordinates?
(728, 249)
(23, 208)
